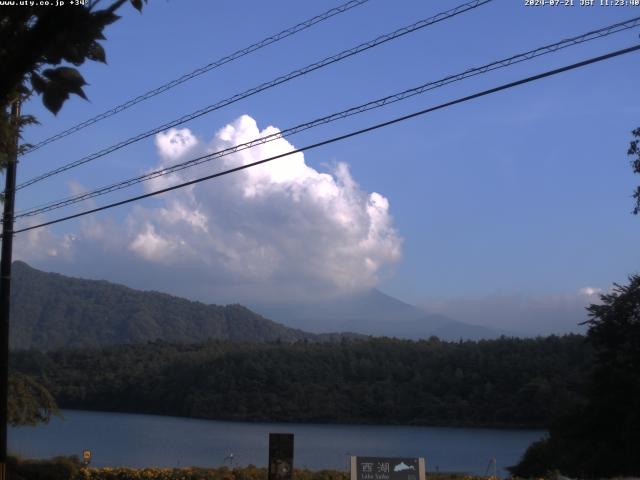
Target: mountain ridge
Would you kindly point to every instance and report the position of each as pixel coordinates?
(52, 311)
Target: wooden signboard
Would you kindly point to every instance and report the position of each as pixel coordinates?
(280, 456)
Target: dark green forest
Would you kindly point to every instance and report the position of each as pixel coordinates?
(502, 383)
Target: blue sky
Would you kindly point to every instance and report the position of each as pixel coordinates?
(526, 191)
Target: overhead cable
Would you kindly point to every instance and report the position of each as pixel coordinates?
(341, 137)
(199, 71)
(521, 57)
(267, 85)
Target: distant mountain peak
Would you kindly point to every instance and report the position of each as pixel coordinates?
(372, 312)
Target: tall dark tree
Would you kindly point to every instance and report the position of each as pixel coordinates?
(634, 151)
(614, 412)
(601, 439)
(40, 46)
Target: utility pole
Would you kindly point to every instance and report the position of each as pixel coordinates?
(5, 282)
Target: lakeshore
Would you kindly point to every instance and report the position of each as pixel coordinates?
(139, 441)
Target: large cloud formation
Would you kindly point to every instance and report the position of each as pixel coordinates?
(278, 229)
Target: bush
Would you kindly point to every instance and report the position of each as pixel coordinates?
(58, 468)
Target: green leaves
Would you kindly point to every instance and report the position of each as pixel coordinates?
(57, 86)
(137, 4)
(38, 83)
(96, 53)
(68, 78)
(104, 18)
(37, 38)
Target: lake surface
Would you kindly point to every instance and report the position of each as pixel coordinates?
(117, 439)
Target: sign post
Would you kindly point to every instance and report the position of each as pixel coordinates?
(86, 457)
(387, 468)
(280, 456)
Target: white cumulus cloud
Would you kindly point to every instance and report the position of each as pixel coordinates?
(280, 228)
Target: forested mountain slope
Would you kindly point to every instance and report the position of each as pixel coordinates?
(50, 311)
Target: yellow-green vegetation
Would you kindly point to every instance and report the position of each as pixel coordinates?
(194, 473)
(70, 468)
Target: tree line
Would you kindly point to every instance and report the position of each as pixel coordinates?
(507, 382)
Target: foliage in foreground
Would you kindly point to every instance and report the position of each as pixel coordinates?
(34, 36)
(29, 402)
(69, 468)
(601, 439)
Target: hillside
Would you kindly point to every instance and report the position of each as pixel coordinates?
(50, 311)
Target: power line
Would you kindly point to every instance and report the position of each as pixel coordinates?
(344, 137)
(267, 85)
(592, 35)
(199, 71)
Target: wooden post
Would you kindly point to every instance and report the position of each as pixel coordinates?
(5, 284)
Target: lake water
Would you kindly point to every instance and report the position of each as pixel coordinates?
(117, 439)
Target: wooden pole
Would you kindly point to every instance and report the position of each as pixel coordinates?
(5, 283)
